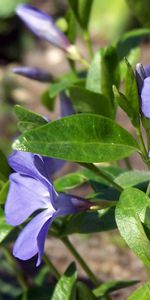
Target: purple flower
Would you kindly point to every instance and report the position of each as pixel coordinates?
(33, 73)
(143, 81)
(42, 25)
(31, 190)
(66, 107)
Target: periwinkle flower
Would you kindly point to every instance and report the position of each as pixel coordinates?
(66, 107)
(42, 25)
(33, 73)
(31, 191)
(143, 81)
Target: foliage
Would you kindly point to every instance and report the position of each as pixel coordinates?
(88, 134)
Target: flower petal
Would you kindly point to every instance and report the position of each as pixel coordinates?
(42, 25)
(52, 165)
(33, 73)
(147, 70)
(26, 246)
(41, 239)
(145, 98)
(26, 195)
(69, 204)
(24, 163)
(66, 107)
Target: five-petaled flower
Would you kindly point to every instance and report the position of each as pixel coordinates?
(143, 81)
(31, 190)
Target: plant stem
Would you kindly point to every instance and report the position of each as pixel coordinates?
(84, 62)
(148, 190)
(80, 260)
(128, 163)
(87, 39)
(102, 174)
(16, 269)
(51, 267)
(141, 142)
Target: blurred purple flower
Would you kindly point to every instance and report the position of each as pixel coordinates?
(143, 81)
(42, 25)
(33, 73)
(31, 190)
(66, 107)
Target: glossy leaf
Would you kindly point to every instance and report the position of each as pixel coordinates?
(89, 102)
(84, 293)
(132, 178)
(131, 40)
(143, 293)
(131, 91)
(48, 101)
(124, 103)
(103, 73)
(25, 115)
(65, 288)
(69, 181)
(67, 81)
(140, 10)
(5, 229)
(111, 286)
(4, 167)
(131, 213)
(82, 138)
(4, 192)
(90, 222)
(81, 10)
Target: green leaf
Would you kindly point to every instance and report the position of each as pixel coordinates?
(28, 116)
(103, 73)
(89, 102)
(131, 214)
(131, 178)
(81, 138)
(4, 167)
(36, 293)
(7, 7)
(90, 222)
(143, 293)
(69, 181)
(111, 286)
(84, 293)
(124, 103)
(131, 92)
(131, 40)
(65, 288)
(81, 10)
(4, 192)
(5, 229)
(48, 101)
(67, 81)
(72, 26)
(140, 10)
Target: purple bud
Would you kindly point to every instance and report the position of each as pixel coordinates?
(42, 25)
(66, 107)
(143, 82)
(33, 73)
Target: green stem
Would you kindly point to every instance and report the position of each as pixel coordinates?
(148, 190)
(87, 39)
(84, 62)
(141, 142)
(16, 269)
(128, 163)
(51, 267)
(80, 260)
(102, 174)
